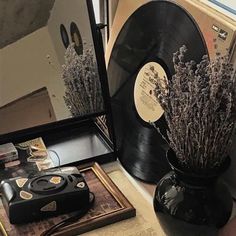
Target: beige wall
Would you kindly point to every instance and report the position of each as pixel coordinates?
(24, 68)
(65, 12)
(112, 11)
(35, 61)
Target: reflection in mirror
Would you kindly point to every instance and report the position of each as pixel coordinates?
(48, 69)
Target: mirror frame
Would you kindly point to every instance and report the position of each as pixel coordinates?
(49, 128)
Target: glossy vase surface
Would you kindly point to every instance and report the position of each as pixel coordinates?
(188, 204)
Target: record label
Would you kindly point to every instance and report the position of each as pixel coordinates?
(145, 100)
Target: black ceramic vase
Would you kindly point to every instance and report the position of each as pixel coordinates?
(187, 204)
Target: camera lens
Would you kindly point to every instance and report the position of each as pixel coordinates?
(42, 182)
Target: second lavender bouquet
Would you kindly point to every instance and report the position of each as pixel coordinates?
(83, 93)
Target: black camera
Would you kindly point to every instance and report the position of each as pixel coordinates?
(44, 195)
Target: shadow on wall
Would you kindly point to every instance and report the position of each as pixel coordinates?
(13, 29)
(30, 110)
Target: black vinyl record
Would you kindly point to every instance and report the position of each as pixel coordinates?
(151, 35)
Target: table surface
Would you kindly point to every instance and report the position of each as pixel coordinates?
(140, 194)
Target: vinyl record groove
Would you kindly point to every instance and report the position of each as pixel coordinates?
(149, 37)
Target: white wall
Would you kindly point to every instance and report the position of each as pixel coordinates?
(24, 68)
(96, 7)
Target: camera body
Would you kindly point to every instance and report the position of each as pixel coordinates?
(47, 194)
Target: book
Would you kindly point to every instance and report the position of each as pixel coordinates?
(8, 153)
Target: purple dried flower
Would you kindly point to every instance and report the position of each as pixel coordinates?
(200, 110)
(83, 94)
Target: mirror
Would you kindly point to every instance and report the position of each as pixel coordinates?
(48, 68)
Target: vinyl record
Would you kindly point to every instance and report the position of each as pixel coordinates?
(146, 44)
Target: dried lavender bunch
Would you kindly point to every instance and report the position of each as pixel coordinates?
(199, 106)
(83, 94)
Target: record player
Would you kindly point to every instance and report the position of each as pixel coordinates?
(213, 23)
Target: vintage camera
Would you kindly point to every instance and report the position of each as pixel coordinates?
(44, 195)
